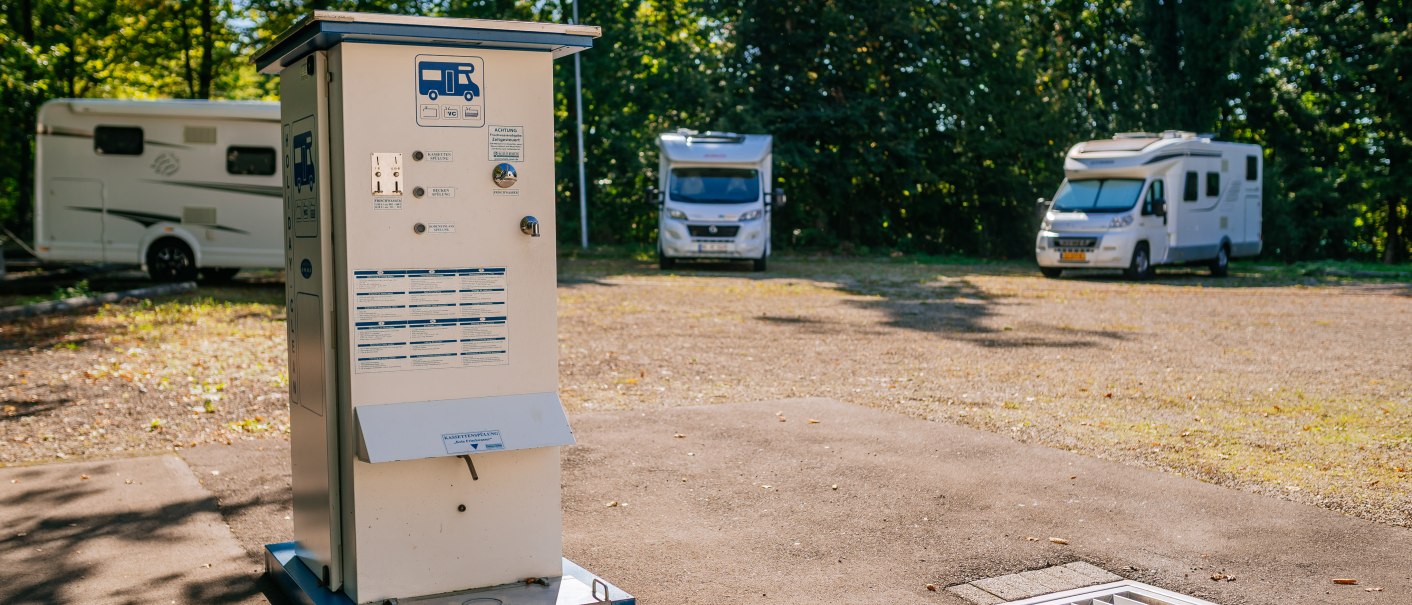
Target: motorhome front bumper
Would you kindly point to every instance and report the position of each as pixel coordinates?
(1076, 250)
(690, 239)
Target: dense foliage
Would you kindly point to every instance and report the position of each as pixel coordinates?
(901, 125)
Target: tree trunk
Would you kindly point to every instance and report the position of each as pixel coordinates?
(1392, 248)
(188, 74)
(26, 21)
(24, 205)
(208, 47)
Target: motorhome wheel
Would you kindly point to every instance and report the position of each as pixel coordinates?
(665, 262)
(759, 263)
(170, 259)
(1221, 265)
(1051, 272)
(1141, 266)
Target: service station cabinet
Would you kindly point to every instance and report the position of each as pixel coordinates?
(419, 206)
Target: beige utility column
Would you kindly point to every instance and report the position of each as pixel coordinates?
(419, 205)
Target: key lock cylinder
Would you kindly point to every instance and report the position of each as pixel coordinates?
(504, 176)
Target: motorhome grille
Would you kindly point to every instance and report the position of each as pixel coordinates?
(1117, 593)
(707, 230)
(1075, 242)
(199, 134)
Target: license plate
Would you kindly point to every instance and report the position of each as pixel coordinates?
(715, 247)
(1073, 257)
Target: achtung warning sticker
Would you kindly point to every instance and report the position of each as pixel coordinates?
(507, 144)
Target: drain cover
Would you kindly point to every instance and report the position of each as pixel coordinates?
(1126, 592)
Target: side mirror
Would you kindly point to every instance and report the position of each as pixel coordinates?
(1042, 204)
(654, 196)
(777, 197)
(1159, 207)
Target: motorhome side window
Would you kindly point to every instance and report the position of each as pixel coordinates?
(1154, 193)
(258, 161)
(1213, 184)
(1189, 189)
(714, 185)
(1252, 168)
(117, 140)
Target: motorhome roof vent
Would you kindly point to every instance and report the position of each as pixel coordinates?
(1135, 135)
(712, 136)
(1117, 593)
(199, 134)
(1179, 134)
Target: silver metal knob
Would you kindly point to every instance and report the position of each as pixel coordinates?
(529, 226)
(504, 175)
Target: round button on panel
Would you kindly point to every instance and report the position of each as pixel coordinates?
(504, 175)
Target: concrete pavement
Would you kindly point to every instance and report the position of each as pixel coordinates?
(138, 530)
(862, 506)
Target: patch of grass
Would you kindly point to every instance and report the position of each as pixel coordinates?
(1328, 271)
(78, 289)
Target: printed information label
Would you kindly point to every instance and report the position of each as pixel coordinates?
(472, 442)
(440, 156)
(387, 203)
(507, 143)
(425, 319)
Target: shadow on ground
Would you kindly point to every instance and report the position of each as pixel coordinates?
(48, 549)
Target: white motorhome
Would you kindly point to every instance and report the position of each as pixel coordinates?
(713, 191)
(180, 187)
(1140, 200)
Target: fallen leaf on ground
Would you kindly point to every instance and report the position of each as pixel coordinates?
(931, 587)
(813, 421)
(1058, 540)
(83, 477)
(1346, 581)
(679, 436)
(614, 503)
(1374, 589)
(1032, 538)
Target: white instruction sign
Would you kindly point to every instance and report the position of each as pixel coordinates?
(472, 442)
(507, 143)
(426, 319)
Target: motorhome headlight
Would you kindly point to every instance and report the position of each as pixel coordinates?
(750, 215)
(1119, 222)
(676, 214)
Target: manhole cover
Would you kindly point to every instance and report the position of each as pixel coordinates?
(1126, 592)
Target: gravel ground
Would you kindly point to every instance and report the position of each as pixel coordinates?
(1293, 387)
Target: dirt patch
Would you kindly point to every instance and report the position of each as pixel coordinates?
(1268, 382)
(1259, 382)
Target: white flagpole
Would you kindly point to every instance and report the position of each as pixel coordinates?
(578, 102)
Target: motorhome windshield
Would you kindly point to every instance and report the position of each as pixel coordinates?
(715, 185)
(1097, 195)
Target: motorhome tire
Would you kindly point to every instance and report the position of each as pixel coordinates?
(1221, 265)
(218, 275)
(170, 259)
(1141, 266)
(758, 264)
(1051, 272)
(665, 262)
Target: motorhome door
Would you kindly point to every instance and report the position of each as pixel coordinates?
(77, 212)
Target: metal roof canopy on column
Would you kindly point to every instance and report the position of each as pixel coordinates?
(323, 29)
